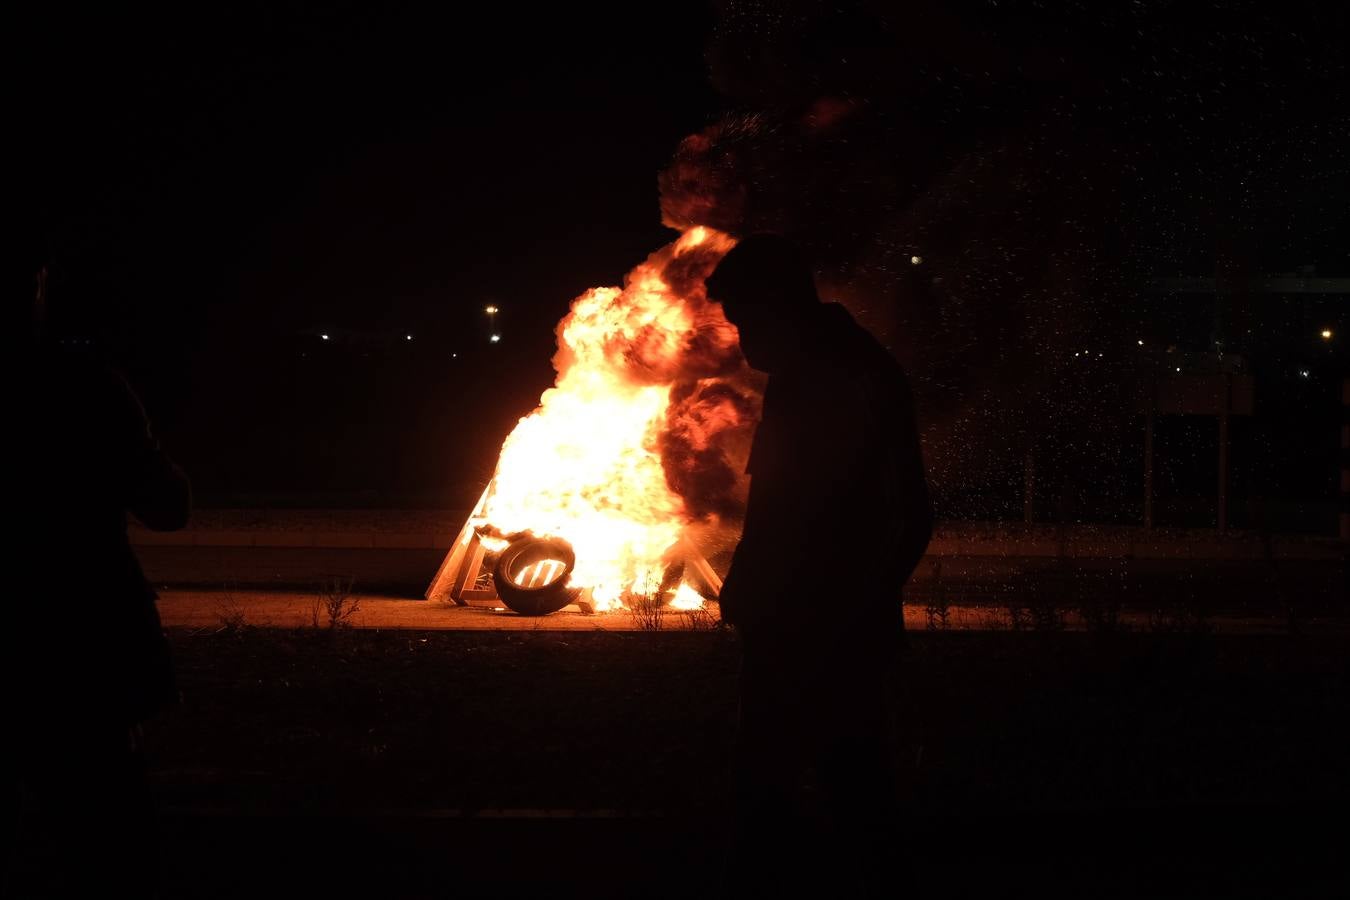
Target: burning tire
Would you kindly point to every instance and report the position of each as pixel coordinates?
(532, 576)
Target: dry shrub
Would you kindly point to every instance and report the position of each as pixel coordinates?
(335, 604)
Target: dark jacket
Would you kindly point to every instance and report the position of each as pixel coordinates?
(84, 640)
(838, 510)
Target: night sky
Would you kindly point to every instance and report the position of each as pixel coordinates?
(221, 186)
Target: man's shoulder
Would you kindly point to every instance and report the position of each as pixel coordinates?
(72, 363)
(82, 385)
(854, 352)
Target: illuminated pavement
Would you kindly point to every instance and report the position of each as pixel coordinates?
(295, 609)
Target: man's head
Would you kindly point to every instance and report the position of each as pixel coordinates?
(767, 292)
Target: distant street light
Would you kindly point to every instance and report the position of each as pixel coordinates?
(491, 311)
(324, 336)
(1326, 334)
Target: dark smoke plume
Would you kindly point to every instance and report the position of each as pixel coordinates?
(969, 179)
(714, 396)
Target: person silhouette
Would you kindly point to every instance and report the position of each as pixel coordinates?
(85, 659)
(837, 518)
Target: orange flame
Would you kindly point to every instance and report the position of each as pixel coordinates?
(586, 465)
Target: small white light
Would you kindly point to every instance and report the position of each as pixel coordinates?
(1140, 343)
(1178, 368)
(495, 338)
(407, 337)
(454, 356)
(915, 260)
(1304, 372)
(491, 310)
(324, 336)
(1326, 334)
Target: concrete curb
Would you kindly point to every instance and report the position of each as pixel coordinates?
(1090, 547)
(341, 540)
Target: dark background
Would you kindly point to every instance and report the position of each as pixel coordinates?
(222, 186)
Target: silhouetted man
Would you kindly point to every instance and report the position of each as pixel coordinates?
(837, 519)
(85, 659)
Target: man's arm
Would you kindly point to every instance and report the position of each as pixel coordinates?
(155, 490)
(162, 497)
(911, 504)
(761, 572)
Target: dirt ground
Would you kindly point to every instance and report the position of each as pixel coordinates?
(588, 762)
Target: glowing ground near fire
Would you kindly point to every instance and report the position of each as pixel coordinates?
(635, 441)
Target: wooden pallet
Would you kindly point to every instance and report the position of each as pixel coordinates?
(460, 577)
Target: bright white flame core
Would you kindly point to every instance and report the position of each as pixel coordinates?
(686, 598)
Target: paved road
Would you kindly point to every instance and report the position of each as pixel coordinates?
(1231, 585)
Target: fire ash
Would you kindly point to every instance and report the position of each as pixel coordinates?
(630, 446)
